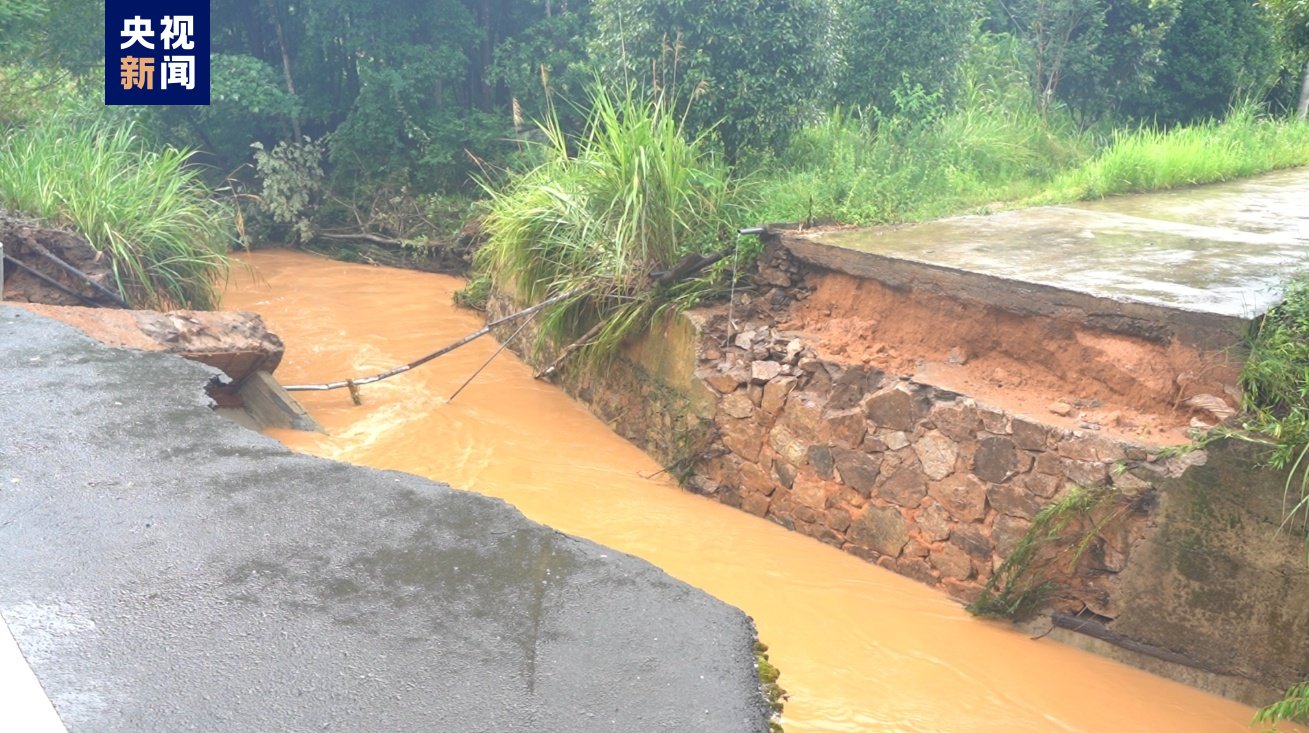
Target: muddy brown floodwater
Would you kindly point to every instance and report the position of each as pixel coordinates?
(860, 648)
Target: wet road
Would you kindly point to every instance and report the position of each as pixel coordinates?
(165, 570)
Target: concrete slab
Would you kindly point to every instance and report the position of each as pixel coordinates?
(167, 570)
(1214, 256)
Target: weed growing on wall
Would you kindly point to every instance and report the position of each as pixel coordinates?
(1060, 534)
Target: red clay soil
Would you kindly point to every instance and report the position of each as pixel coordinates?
(1036, 366)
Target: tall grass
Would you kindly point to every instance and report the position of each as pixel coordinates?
(1001, 152)
(994, 145)
(1245, 143)
(601, 214)
(165, 236)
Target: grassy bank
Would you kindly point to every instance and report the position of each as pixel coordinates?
(160, 225)
(604, 215)
(1000, 155)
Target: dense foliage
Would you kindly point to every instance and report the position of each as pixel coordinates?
(377, 117)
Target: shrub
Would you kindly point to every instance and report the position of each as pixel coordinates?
(756, 69)
(635, 197)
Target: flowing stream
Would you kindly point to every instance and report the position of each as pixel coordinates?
(860, 648)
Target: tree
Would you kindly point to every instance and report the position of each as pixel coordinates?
(1124, 61)
(751, 69)
(897, 45)
(1214, 54)
(1057, 34)
(1291, 22)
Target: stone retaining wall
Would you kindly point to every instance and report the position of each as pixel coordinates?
(940, 486)
(928, 483)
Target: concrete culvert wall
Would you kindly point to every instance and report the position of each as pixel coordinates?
(924, 430)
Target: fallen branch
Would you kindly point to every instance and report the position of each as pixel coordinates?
(353, 384)
(52, 282)
(375, 238)
(1099, 631)
(111, 295)
(568, 350)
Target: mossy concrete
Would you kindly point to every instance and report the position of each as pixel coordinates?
(1220, 578)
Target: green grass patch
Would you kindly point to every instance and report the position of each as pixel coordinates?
(601, 214)
(149, 211)
(1001, 153)
(1246, 143)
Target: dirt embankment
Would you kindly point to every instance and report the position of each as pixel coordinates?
(1061, 372)
(32, 274)
(78, 292)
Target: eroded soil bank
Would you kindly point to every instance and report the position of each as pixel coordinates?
(860, 648)
(924, 430)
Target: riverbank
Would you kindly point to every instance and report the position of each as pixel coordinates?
(860, 648)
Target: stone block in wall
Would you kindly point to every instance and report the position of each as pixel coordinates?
(838, 519)
(970, 539)
(907, 486)
(880, 529)
(820, 457)
(962, 495)
(894, 407)
(958, 420)
(998, 458)
(995, 421)
(1086, 473)
(791, 447)
(783, 472)
(737, 405)
(846, 427)
(810, 491)
(1007, 533)
(745, 438)
(775, 394)
(1029, 435)
(952, 562)
(756, 504)
(857, 469)
(762, 371)
(1040, 485)
(1013, 499)
(933, 523)
(937, 454)
(804, 415)
(725, 381)
(753, 479)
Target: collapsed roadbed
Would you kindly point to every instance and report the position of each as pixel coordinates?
(169, 570)
(919, 396)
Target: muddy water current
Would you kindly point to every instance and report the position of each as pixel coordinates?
(860, 648)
